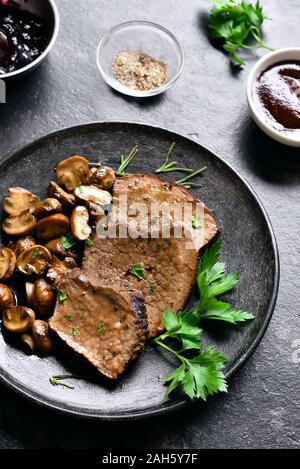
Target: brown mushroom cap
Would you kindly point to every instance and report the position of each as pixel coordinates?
(90, 176)
(23, 244)
(48, 207)
(72, 171)
(57, 249)
(19, 200)
(80, 223)
(52, 227)
(28, 341)
(104, 178)
(42, 337)
(7, 297)
(43, 298)
(67, 201)
(19, 225)
(18, 319)
(34, 261)
(7, 264)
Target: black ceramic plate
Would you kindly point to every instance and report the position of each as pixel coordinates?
(249, 247)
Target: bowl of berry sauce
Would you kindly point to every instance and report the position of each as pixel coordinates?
(28, 31)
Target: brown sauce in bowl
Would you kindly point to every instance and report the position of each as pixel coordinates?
(277, 95)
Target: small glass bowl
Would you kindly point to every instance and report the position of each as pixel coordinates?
(146, 37)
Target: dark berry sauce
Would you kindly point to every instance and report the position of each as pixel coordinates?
(23, 38)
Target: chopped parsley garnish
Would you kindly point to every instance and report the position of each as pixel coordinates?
(197, 223)
(35, 253)
(158, 247)
(75, 331)
(68, 318)
(99, 328)
(126, 327)
(68, 241)
(89, 243)
(62, 296)
(137, 270)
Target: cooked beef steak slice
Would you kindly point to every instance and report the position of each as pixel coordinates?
(150, 189)
(105, 324)
(169, 270)
(169, 265)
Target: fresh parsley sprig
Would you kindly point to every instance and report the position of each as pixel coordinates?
(125, 161)
(200, 371)
(201, 375)
(236, 24)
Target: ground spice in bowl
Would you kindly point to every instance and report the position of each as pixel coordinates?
(139, 71)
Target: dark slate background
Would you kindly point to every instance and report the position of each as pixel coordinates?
(208, 103)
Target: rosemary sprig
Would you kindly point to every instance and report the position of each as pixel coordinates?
(125, 161)
(170, 166)
(59, 380)
(185, 182)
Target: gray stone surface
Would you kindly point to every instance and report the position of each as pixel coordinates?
(208, 104)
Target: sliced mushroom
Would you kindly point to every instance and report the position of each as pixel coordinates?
(48, 207)
(34, 261)
(19, 225)
(6, 297)
(104, 178)
(28, 342)
(43, 298)
(42, 338)
(19, 200)
(70, 263)
(90, 176)
(72, 172)
(23, 244)
(55, 247)
(93, 197)
(29, 289)
(52, 227)
(67, 201)
(18, 319)
(7, 264)
(80, 223)
(57, 269)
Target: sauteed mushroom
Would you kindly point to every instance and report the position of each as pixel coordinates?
(55, 247)
(7, 264)
(29, 289)
(23, 244)
(19, 225)
(18, 319)
(6, 297)
(34, 260)
(67, 200)
(28, 342)
(80, 223)
(92, 196)
(42, 338)
(52, 227)
(58, 269)
(90, 176)
(72, 172)
(43, 297)
(48, 207)
(19, 200)
(104, 178)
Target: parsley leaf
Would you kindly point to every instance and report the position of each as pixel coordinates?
(68, 241)
(236, 24)
(67, 317)
(89, 242)
(197, 223)
(35, 253)
(137, 270)
(99, 328)
(62, 296)
(75, 331)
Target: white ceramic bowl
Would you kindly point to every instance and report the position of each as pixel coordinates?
(281, 55)
(144, 36)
